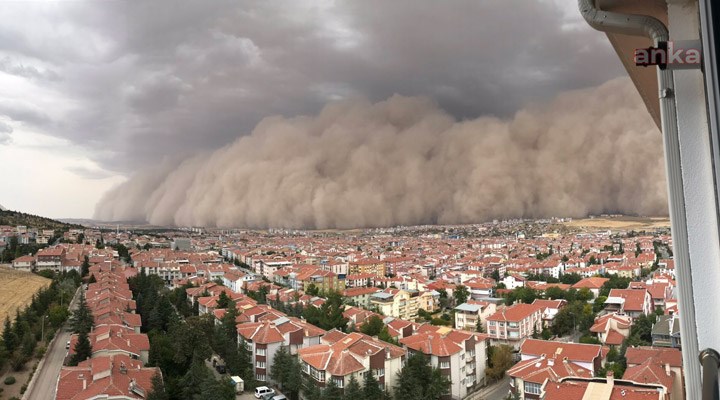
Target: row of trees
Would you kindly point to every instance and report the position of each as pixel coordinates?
(37, 322)
(82, 323)
(181, 342)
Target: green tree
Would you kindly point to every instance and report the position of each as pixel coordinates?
(373, 326)
(353, 391)
(312, 290)
(501, 360)
(85, 269)
(419, 380)
(212, 389)
(293, 380)
(461, 294)
(280, 368)
(554, 293)
(194, 378)
(83, 349)
(371, 387)
(480, 327)
(584, 294)
(332, 391)
(158, 389)
(223, 300)
(9, 338)
(312, 392)
(82, 319)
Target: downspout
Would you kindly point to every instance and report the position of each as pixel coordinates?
(647, 26)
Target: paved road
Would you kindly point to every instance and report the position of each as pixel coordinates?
(496, 391)
(46, 380)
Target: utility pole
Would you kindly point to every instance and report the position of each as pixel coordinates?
(42, 334)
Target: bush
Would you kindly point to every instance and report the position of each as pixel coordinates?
(23, 388)
(40, 352)
(10, 380)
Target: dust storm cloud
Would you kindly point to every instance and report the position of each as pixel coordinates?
(405, 161)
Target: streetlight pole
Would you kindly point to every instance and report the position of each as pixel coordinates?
(42, 334)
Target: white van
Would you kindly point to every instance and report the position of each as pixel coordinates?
(262, 390)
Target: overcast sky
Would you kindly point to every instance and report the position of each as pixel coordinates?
(93, 91)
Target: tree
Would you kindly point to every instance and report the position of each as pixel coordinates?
(293, 380)
(461, 294)
(371, 387)
(312, 290)
(332, 391)
(330, 315)
(501, 360)
(194, 378)
(85, 269)
(353, 390)
(83, 349)
(311, 391)
(212, 389)
(554, 293)
(158, 388)
(419, 380)
(280, 368)
(82, 319)
(480, 327)
(373, 326)
(9, 338)
(223, 300)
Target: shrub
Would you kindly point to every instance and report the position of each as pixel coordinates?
(9, 380)
(23, 388)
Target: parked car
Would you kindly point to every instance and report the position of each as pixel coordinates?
(279, 397)
(67, 345)
(262, 391)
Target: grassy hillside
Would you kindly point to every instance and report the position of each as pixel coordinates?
(14, 218)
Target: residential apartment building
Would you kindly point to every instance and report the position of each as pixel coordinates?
(360, 296)
(633, 302)
(461, 356)
(469, 315)
(612, 329)
(542, 360)
(396, 303)
(265, 337)
(341, 356)
(367, 266)
(510, 325)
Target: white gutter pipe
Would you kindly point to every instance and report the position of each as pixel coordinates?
(643, 25)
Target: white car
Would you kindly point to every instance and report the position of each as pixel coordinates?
(262, 391)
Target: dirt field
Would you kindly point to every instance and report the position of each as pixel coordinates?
(17, 290)
(621, 223)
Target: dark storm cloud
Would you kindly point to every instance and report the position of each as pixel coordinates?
(148, 80)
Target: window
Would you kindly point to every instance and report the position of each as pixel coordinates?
(260, 364)
(445, 364)
(379, 372)
(339, 382)
(260, 377)
(532, 388)
(317, 375)
(260, 352)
